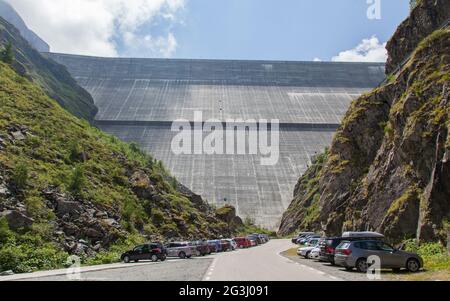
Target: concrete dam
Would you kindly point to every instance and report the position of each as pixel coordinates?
(139, 99)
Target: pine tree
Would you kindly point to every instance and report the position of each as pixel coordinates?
(7, 54)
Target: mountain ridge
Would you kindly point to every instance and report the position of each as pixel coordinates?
(8, 13)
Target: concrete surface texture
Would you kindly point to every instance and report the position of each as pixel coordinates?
(138, 100)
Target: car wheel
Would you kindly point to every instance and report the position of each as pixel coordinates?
(126, 259)
(413, 265)
(182, 255)
(154, 258)
(361, 265)
(163, 258)
(307, 255)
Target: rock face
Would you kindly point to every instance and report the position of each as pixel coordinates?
(8, 13)
(16, 219)
(53, 77)
(426, 17)
(227, 214)
(387, 169)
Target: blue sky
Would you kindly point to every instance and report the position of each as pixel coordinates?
(215, 29)
(282, 30)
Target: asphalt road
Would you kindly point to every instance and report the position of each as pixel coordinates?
(263, 263)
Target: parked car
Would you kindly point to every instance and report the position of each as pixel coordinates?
(262, 238)
(258, 238)
(243, 242)
(233, 243)
(315, 253)
(253, 241)
(215, 245)
(180, 249)
(305, 251)
(312, 242)
(300, 236)
(266, 237)
(202, 247)
(153, 252)
(225, 245)
(255, 238)
(354, 254)
(305, 239)
(328, 247)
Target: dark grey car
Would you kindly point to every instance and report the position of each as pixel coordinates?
(354, 254)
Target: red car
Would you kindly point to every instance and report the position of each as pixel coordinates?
(243, 242)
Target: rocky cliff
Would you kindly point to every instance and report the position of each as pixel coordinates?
(8, 13)
(387, 169)
(51, 76)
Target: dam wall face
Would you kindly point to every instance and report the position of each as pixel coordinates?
(139, 99)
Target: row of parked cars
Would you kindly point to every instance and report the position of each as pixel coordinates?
(353, 249)
(160, 252)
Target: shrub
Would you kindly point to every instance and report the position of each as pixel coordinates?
(74, 151)
(5, 232)
(435, 255)
(77, 180)
(20, 176)
(7, 54)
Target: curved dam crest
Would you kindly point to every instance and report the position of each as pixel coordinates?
(139, 99)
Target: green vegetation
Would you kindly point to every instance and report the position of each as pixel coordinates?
(77, 180)
(7, 54)
(52, 77)
(28, 252)
(436, 262)
(20, 176)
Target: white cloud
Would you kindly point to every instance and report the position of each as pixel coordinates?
(93, 27)
(164, 46)
(369, 50)
(316, 59)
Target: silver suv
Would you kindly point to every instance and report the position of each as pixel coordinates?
(354, 254)
(181, 249)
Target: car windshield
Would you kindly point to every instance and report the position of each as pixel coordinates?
(344, 245)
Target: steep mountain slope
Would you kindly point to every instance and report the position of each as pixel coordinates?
(8, 13)
(67, 188)
(387, 169)
(53, 77)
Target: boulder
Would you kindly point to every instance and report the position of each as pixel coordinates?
(101, 214)
(93, 234)
(4, 192)
(17, 219)
(17, 136)
(68, 207)
(71, 229)
(111, 223)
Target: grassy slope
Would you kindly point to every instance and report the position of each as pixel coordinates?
(47, 155)
(51, 76)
